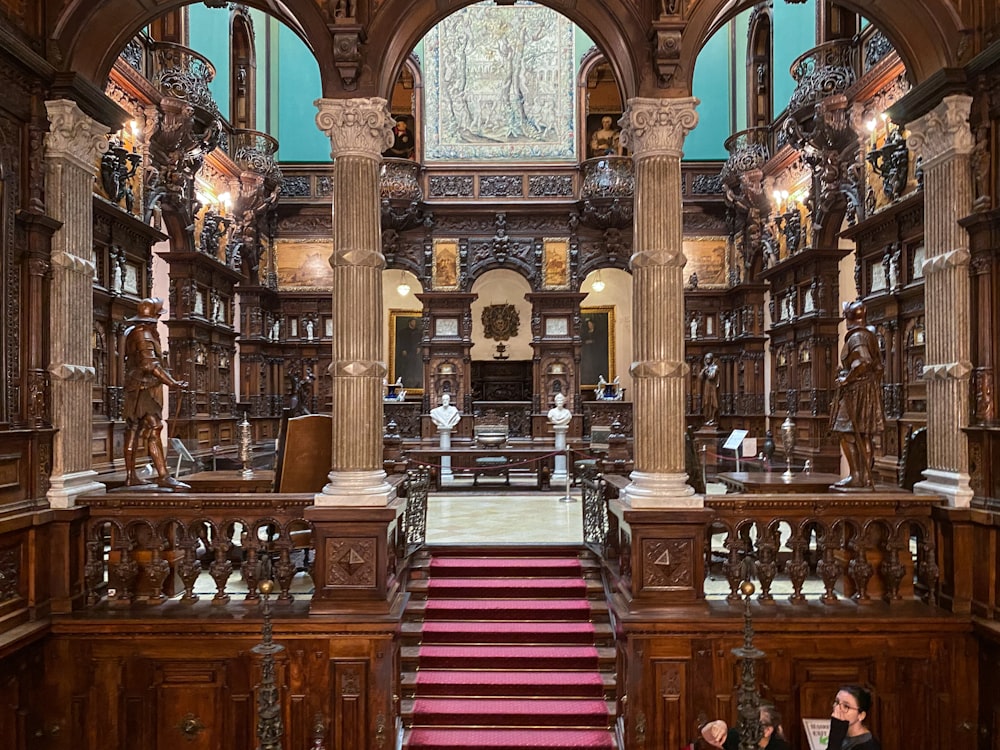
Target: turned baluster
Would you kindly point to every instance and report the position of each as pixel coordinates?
(891, 569)
(251, 574)
(828, 568)
(860, 569)
(156, 573)
(126, 571)
(733, 567)
(220, 569)
(189, 568)
(797, 567)
(93, 570)
(928, 568)
(284, 572)
(767, 564)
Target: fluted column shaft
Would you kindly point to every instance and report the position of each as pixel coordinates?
(359, 131)
(654, 131)
(944, 140)
(72, 146)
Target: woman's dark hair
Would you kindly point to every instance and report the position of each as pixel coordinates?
(862, 696)
(770, 717)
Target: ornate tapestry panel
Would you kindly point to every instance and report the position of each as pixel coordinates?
(500, 85)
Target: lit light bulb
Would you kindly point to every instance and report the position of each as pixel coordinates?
(402, 288)
(598, 285)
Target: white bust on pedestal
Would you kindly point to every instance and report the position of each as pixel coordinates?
(445, 417)
(559, 418)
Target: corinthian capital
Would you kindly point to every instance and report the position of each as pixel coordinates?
(73, 135)
(944, 131)
(356, 127)
(658, 126)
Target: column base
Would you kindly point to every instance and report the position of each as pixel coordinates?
(660, 491)
(356, 489)
(953, 485)
(65, 488)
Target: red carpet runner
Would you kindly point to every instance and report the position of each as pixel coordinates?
(504, 654)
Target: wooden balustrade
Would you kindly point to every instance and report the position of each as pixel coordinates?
(819, 546)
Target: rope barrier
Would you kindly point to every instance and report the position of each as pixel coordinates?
(508, 465)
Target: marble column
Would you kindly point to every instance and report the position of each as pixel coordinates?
(72, 147)
(944, 141)
(654, 132)
(359, 131)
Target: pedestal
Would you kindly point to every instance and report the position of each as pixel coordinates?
(444, 443)
(559, 474)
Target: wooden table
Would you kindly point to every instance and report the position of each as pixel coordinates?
(463, 460)
(230, 480)
(773, 483)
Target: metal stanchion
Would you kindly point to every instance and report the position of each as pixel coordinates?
(568, 498)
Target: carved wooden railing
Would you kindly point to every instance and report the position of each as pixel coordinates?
(254, 150)
(182, 73)
(139, 545)
(823, 71)
(862, 543)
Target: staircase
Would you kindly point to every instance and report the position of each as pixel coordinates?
(507, 649)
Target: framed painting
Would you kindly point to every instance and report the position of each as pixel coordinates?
(406, 360)
(604, 135)
(445, 276)
(597, 350)
(706, 256)
(555, 263)
(304, 265)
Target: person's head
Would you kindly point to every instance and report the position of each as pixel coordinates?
(401, 126)
(852, 704)
(709, 358)
(445, 400)
(715, 733)
(770, 724)
(560, 400)
(149, 309)
(606, 122)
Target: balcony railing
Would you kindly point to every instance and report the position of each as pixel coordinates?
(607, 177)
(748, 150)
(255, 152)
(823, 71)
(399, 179)
(184, 74)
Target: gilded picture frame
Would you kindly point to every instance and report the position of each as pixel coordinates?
(597, 349)
(555, 263)
(445, 274)
(405, 355)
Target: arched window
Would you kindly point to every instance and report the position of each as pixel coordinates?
(243, 69)
(760, 74)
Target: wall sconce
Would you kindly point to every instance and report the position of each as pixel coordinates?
(402, 288)
(598, 285)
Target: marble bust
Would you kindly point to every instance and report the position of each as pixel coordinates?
(445, 416)
(559, 415)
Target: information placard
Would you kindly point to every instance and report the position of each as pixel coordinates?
(818, 732)
(735, 439)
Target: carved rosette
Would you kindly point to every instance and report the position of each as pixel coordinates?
(944, 131)
(654, 127)
(74, 136)
(356, 127)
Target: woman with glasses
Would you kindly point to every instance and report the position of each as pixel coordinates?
(847, 727)
(771, 735)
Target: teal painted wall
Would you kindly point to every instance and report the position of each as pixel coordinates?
(794, 33)
(712, 85)
(296, 88)
(208, 35)
(741, 29)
